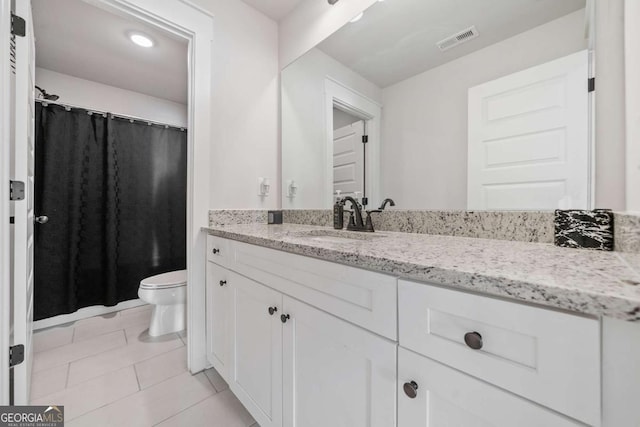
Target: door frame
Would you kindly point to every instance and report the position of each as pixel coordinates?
(338, 95)
(5, 263)
(195, 24)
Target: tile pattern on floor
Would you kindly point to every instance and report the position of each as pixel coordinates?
(107, 371)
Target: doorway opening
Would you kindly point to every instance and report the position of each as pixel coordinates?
(182, 21)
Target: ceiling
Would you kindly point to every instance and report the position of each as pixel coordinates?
(81, 40)
(396, 39)
(274, 9)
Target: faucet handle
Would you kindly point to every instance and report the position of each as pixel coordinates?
(369, 222)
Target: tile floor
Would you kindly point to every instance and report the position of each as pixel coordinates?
(107, 371)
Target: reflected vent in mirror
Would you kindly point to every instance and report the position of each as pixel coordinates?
(459, 38)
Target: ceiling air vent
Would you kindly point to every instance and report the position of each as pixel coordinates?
(459, 38)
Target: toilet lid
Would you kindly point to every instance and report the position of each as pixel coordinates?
(165, 280)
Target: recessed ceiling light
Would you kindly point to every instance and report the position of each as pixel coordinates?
(358, 17)
(141, 40)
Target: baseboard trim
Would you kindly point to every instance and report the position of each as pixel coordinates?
(83, 313)
(198, 363)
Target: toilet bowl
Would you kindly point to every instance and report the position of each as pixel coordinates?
(167, 292)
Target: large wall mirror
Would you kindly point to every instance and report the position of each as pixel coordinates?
(444, 105)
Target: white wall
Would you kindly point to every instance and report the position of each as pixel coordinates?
(245, 93)
(92, 95)
(424, 130)
(313, 21)
(610, 105)
(303, 117)
(632, 64)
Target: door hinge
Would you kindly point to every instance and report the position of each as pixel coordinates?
(16, 190)
(592, 84)
(18, 26)
(365, 139)
(16, 355)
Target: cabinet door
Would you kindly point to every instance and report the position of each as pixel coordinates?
(335, 374)
(218, 318)
(256, 363)
(438, 396)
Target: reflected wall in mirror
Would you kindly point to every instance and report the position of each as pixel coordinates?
(467, 105)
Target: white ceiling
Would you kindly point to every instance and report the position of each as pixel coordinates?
(274, 9)
(396, 39)
(81, 40)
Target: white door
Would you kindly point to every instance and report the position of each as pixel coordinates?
(22, 210)
(529, 139)
(256, 363)
(348, 159)
(218, 318)
(438, 396)
(335, 374)
(6, 124)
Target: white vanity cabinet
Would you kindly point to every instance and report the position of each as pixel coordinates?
(296, 362)
(218, 303)
(335, 374)
(304, 342)
(487, 356)
(255, 375)
(444, 397)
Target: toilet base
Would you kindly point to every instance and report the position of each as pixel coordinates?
(167, 319)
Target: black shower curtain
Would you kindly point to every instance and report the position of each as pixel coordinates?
(115, 194)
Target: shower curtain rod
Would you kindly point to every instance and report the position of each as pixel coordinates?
(46, 102)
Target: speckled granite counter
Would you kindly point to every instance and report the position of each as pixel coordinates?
(589, 282)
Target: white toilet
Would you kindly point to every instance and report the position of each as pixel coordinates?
(167, 292)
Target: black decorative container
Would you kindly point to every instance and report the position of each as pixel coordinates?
(584, 229)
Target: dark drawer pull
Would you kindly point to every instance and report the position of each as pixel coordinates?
(473, 340)
(272, 310)
(216, 251)
(284, 318)
(411, 389)
(223, 282)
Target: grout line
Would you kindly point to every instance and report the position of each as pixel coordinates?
(103, 406)
(135, 371)
(183, 410)
(66, 381)
(69, 362)
(139, 391)
(117, 369)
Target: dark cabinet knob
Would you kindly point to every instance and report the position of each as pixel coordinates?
(473, 340)
(223, 282)
(284, 318)
(42, 219)
(411, 389)
(272, 310)
(216, 251)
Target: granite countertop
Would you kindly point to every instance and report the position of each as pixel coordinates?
(583, 281)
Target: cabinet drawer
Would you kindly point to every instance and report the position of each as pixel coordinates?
(446, 397)
(362, 297)
(218, 250)
(546, 356)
